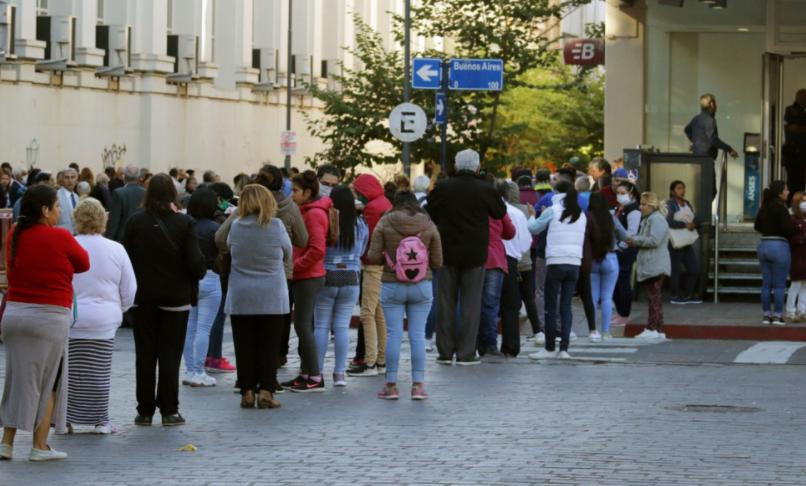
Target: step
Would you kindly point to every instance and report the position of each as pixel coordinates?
(728, 289)
(739, 262)
(736, 276)
(737, 249)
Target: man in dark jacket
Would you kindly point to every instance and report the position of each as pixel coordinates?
(125, 202)
(795, 146)
(461, 207)
(704, 135)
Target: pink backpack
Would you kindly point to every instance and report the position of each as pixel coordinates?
(411, 260)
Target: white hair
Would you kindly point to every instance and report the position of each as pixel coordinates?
(467, 159)
(421, 183)
(83, 188)
(131, 173)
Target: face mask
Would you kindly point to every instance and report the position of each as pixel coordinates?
(803, 207)
(325, 190)
(624, 199)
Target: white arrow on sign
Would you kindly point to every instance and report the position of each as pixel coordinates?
(425, 73)
(440, 107)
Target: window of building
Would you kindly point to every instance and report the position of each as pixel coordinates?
(41, 7)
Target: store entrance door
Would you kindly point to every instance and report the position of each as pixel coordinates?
(783, 77)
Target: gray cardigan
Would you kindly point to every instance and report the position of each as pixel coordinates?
(257, 280)
(652, 241)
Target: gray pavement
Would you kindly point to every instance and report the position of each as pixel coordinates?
(507, 422)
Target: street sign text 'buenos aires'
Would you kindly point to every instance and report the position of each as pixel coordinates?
(476, 74)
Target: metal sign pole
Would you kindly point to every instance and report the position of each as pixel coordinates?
(288, 81)
(443, 133)
(406, 81)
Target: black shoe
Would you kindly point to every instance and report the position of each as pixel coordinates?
(309, 386)
(444, 361)
(279, 389)
(678, 301)
(144, 420)
(381, 367)
(292, 383)
(493, 351)
(694, 300)
(172, 420)
(363, 370)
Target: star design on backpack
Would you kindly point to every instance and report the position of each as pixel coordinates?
(412, 255)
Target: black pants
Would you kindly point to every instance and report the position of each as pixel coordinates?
(584, 291)
(623, 293)
(257, 340)
(527, 288)
(159, 337)
(462, 288)
(282, 350)
(510, 310)
(684, 257)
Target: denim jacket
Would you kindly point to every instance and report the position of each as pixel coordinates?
(337, 258)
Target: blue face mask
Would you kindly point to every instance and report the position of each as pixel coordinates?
(324, 190)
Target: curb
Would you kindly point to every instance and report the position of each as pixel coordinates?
(751, 333)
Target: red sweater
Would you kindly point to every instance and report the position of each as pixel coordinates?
(43, 268)
(309, 262)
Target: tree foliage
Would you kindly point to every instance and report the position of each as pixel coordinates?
(355, 118)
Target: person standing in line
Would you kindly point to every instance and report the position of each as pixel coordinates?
(100, 191)
(371, 194)
(598, 168)
(775, 225)
(516, 248)
(257, 300)
(795, 143)
(796, 297)
(629, 215)
(309, 278)
(604, 271)
(582, 186)
(168, 264)
(681, 218)
(565, 239)
(103, 294)
(42, 260)
(653, 262)
(407, 233)
(126, 201)
(67, 180)
(461, 207)
(336, 301)
(202, 208)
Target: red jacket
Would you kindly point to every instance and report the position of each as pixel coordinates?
(377, 205)
(500, 229)
(309, 262)
(43, 268)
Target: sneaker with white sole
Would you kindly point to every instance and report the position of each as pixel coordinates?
(647, 334)
(207, 380)
(607, 336)
(339, 379)
(49, 454)
(573, 336)
(429, 345)
(105, 429)
(595, 337)
(191, 379)
(778, 321)
(661, 335)
(543, 354)
(540, 339)
(6, 451)
(563, 355)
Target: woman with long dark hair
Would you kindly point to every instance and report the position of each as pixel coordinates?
(564, 245)
(682, 248)
(168, 264)
(629, 215)
(775, 225)
(336, 301)
(42, 260)
(604, 271)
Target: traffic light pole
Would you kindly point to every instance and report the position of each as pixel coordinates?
(443, 134)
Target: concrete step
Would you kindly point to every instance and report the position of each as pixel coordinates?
(736, 276)
(739, 262)
(732, 289)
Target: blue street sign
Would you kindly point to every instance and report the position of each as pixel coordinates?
(426, 73)
(476, 74)
(439, 112)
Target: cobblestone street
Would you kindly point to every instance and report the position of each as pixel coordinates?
(516, 422)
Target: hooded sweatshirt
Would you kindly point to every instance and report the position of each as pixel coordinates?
(395, 226)
(309, 262)
(370, 187)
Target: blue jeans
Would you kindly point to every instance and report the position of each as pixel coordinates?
(333, 309)
(415, 300)
(561, 280)
(431, 322)
(775, 259)
(490, 304)
(603, 282)
(200, 321)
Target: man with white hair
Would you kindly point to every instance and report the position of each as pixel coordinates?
(461, 207)
(67, 180)
(420, 186)
(126, 201)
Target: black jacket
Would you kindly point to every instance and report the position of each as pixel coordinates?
(102, 194)
(125, 202)
(167, 270)
(774, 220)
(461, 207)
(704, 135)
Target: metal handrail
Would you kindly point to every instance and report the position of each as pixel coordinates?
(721, 212)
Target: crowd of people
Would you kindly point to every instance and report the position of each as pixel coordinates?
(447, 258)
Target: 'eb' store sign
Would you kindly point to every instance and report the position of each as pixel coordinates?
(584, 52)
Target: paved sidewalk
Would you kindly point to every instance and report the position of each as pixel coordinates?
(509, 422)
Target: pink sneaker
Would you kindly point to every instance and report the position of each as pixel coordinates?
(218, 365)
(418, 392)
(389, 392)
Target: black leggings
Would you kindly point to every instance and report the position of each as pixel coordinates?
(256, 340)
(584, 290)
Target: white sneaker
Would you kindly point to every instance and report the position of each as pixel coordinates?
(573, 336)
(5, 452)
(647, 334)
(49, 454)
(564, 355)
(206, 380)
(595, 337)
(543, 354)
(105, 429)
(540, 338)
(429, 345)
(607, 336)
(191, 379)
(661, 335)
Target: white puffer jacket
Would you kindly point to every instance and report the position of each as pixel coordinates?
(565, 240)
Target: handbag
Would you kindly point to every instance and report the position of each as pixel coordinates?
(682, 237)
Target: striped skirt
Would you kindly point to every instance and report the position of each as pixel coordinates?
(89, 381)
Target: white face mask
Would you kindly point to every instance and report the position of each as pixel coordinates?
(803, 207)
(325, 190)
(624, 199)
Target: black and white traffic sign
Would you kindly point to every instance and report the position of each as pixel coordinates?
(407, 122)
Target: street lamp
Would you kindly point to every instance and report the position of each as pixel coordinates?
(32, 153)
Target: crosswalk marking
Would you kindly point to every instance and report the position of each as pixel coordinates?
(769, 352)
